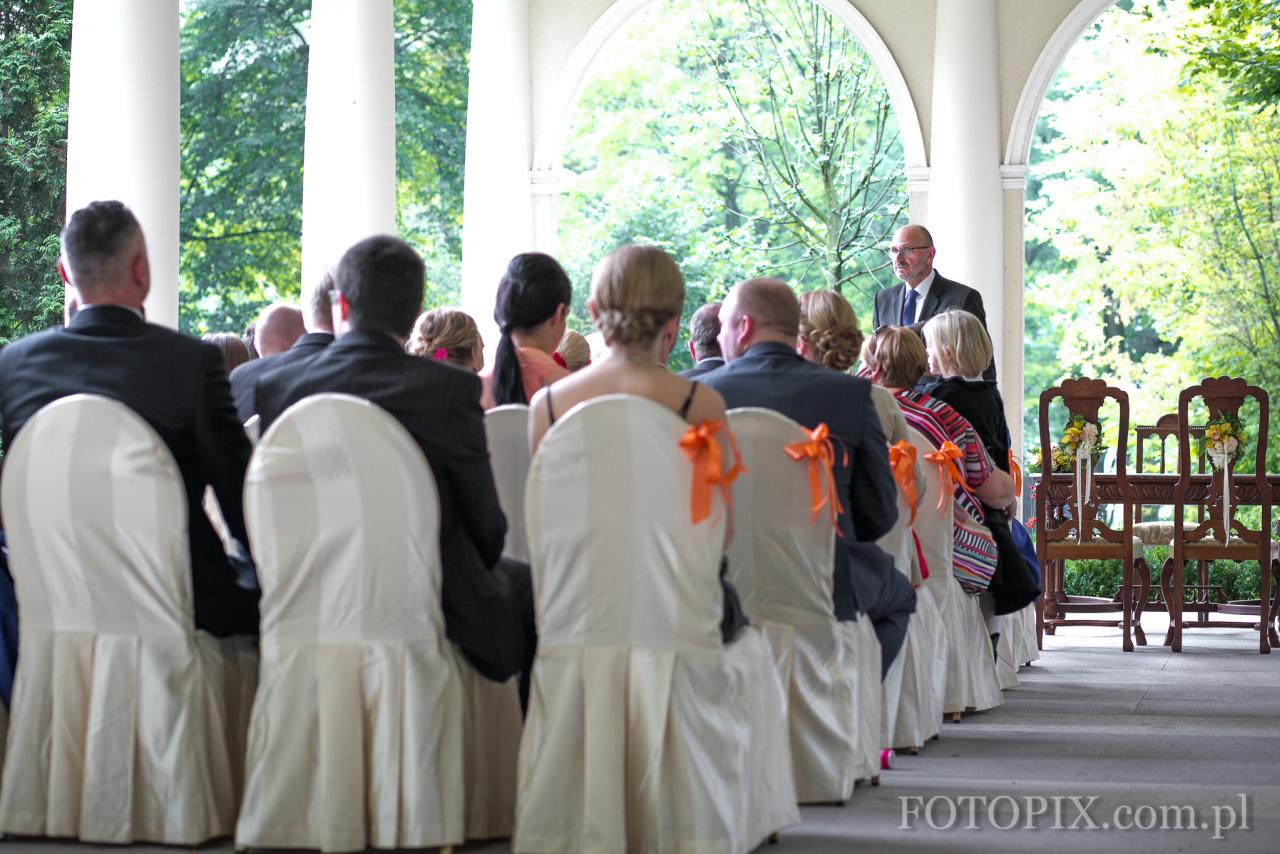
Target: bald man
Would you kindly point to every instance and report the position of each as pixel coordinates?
(278, 327)
(318, 335)
(759, 323)
(924, 292)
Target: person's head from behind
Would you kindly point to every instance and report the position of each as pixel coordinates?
(958, 344)
(704, 329)
(829, 333)
(758, 311)
(530, 310)
(575, 350)
(104, 256)
(234, 353)
(380, 281)
(319, 307)
(894, 357)
(637, 294)
(278, 327)
(448, 335)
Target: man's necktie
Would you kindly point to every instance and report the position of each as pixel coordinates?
(909, 308)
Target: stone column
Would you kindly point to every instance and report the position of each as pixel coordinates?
(965, 203)
(1013, 186)
(349, 159)
(497, 217)
(122, 128)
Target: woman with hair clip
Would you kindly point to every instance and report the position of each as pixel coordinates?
(447, 335)
(531, 307)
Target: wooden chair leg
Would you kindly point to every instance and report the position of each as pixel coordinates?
(1144, 590)
(1126, 601)
(1166, 587)
(1264, 613)
(1179, 602)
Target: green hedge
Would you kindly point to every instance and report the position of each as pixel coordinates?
(1102, 577)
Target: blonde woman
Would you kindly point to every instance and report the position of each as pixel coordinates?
(447, 335)
(829, 335)
(574, 351)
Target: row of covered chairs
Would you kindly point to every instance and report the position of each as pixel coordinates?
(360, 725)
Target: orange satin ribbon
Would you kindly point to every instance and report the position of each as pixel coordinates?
(902, 461)
(821, 456)
(1015, 471)
(945, 458)
(700, 445)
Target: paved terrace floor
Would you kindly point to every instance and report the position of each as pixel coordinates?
(1137, 733)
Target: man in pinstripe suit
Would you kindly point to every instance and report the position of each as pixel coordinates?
(487, 600)
(176, 383)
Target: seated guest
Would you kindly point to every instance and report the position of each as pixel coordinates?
(532, 304)
(175, 383)
(829, 335)
(234, 353)
(247, 338)
(704, 327)
(487, 600)
(447, 335)
(319, 334)
(637, 293)
(574, 350)
(894, 357)
(959, 351)
(759, 324)
(279, 326)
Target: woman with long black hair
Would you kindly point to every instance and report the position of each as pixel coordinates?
(531, 308)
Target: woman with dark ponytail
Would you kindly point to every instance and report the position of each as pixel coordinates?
(532, 304)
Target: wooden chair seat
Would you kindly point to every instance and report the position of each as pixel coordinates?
(1095, 548)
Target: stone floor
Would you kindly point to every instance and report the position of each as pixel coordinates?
(1141, 734)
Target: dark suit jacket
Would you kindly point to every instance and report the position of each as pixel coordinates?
(943, 294)
(178, 385)
(439, 404)
(246, 376)
(774, 376)
(704, 366)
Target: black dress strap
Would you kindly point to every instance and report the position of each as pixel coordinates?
(551, 416)
(684, 410)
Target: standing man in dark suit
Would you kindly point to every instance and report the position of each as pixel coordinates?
(319, 323)
(759, 323)
(487, 601)
(176, 383)
(704, 329)
(923, 292)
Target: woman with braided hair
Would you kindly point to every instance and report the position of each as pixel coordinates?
(532, 304)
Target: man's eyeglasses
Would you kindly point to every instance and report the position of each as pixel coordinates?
(895, 251)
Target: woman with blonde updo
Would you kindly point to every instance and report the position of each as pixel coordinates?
(447, 335)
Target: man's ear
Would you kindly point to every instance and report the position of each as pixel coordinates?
(63, 274)
(747, 330)
(693, 354)
(344, 308)
(140, 275)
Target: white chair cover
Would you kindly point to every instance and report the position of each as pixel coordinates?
(643, 732)
(781, 562)
(897, 543)
(118, 728)
(253, 427)
(358, 730)
(1025, 648)
(970, 681)
(508, 432)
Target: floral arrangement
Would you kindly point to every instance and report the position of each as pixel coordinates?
(1223, 441)
(1064, 452)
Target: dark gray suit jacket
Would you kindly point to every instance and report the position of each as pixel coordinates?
(943, 294)
(774, 376)
(246, 376)
(178, 385)
(439, 404)
(704, 366)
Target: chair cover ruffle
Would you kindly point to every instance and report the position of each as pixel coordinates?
(119, 729)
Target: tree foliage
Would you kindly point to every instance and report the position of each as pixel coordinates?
(35, 62)
(1240, 43)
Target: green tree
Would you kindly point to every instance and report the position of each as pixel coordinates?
(35, 62)
(1240, 43)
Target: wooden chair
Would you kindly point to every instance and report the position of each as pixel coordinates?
(1221, 536)
(1072, 530)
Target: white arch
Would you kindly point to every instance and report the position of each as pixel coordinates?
(576, 74)
(1018, 148)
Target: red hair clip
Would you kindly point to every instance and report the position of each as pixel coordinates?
(440, 354)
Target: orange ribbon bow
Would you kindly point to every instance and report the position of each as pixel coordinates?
(902, 461)
(700, 445)
(821, 456)
(1015, 471)
(949, 474)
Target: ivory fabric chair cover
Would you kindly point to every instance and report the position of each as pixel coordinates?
(643, 732)
(1025, 648)
(781, 562)
(118, 729)
(970, 681)
(507, 428)
(358, 729)
(897, 543)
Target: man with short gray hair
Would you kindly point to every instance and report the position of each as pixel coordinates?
(704, 329)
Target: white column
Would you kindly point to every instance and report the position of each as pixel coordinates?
(497, 220)
(1014, 186)
(349, 158)
(123, 126)
(965, 202)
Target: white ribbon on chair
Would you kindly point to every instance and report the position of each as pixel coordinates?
(1084, 475)
(1222, 461)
